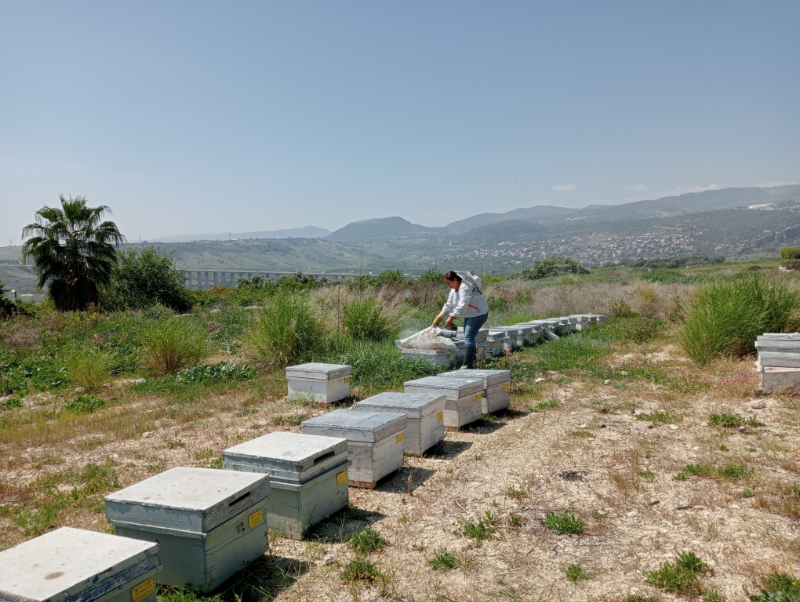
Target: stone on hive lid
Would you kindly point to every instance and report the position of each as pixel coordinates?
(187, 499)
(451, 388)
(289, 457)
(317, 371)
(355, 425)
(69, 565)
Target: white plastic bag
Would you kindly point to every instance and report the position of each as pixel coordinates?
(427, 340)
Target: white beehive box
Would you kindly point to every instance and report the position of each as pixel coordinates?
(324, 382)
(307, 476)
(496, 394)
(208, 523)
(496, 343)
(424, 417)
(528, 334)
(462, 397)
(581, 321)
(513, 340)
(437, 358)
(374, 441)
(73, 565)
(569, 323)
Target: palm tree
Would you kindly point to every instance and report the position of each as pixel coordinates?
(73, 251)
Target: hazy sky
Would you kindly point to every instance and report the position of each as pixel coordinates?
(194, 117)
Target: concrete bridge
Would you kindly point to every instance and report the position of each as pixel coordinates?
(205, 279)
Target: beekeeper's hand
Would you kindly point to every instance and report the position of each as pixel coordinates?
(449, 324)
(436, 320)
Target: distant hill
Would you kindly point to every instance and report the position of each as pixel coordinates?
(304, 232)
(379, 228)
(531, 214)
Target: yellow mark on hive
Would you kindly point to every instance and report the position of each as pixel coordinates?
(400, 437)
(341, 478)
(144, 589)
(440, 415)
(347, 379)
(255, 519)
(506, 387)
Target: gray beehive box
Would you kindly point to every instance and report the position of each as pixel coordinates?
(374, 441)
(324, 382)
(437, 358)
(480, 336)
(528, 334)
(496, 387)
(462, 397)
(208, 523)
(73, 565)
(513, 340)
(307, 476)
(496, 342)
(424, 417)
(581, 321)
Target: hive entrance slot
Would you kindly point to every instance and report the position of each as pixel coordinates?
(324, 457)
(239, 499)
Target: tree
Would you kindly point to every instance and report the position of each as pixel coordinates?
(73, 251)
(553, 266)
(144, 278)
(7, 307)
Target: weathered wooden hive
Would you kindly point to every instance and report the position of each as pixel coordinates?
(424, 417)
(496, 394)
(778, 362)
(462, 397)
(374, 441)
(73, 565)
(324, 382)
(208, 523)
(437, 358)
(307, 476)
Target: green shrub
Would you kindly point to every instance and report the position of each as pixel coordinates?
(219, 372)
(287, 332)
(732, 471)
(444, 561)
(790, 253)
(360, 569)
(496, 303)
(680, 576)
(368, 320)
(553, 266)
(792, 264)
(10, 404)
(575, 573)
(483, 529)
(778, 587)
(726, 316)
(367, 540)
(564, 522)
(89, 369)
(173, 344)
(621, 309)
(85, 404)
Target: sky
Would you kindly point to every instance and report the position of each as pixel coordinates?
(203, 117)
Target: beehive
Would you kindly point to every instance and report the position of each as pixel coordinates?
(513, 340)
(480, 336)
(437, 358)
(581, 321)
(324, 382)
(528, 334)
(496, 394)
(374, 441)
(778, 362)
(208, 523)
(73, 565)
(307, 476)
(569, 323)
(496, 342)
(462, 397)
(424, 417)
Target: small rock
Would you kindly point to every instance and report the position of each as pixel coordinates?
(328, 559)
(623, 372)
(758, 404)
(539, 380)
(607, 381)
(742, 429)
(148, 434)
(79, 389)
(633, 513)
(734, 505)
(582, 426)
(673, 427)
(573, 413)
(138, 380)
(695, 448)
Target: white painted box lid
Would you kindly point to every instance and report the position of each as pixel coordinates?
(524, 328)
(452, 388)
(358, 426)
(775, 344)
(413, 405)
(784, 336)
(569, 319)
(187, 499)
(490, 377)
(289, 456)
(72, 565)
(316, 371)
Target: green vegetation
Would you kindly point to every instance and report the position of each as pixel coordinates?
(731, 471)
(85, 404)
(727, 314)
(553, 266)
(564, 522)
(778, 587)
(679, 576)
(367, 540)
(483, 528)
(173, 344)
(638, 598)
(748, 493)
(8, 307)
(360, 570)
(73, 252)
(515, 493)
(367, 319)
(89, 369)
(732, 420)
(790, 253)
(445, 561)
(214, 373)
(647, 474)
(659, 417)
(575, 573)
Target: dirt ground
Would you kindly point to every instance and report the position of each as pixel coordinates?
(590, 454)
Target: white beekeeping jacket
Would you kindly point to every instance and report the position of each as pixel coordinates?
(468, 301)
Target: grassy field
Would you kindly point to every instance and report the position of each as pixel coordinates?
(619, 459)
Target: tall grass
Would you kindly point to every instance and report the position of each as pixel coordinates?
(172, 344)
(88, 369)
(368, 320)
(726, 316)
(286, 332)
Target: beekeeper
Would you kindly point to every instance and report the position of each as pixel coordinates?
(466, 301)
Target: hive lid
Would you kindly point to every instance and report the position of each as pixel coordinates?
(72, 564)
(525, 328)
(187, 499)
(775, 344)
(357, 426)
(453, 388)
(490, 377)
(316, 371)
(413, 405)
(570, 319)
(287, 456)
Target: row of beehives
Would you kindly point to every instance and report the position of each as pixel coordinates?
(498, 340)
(198, 526)
(778, 362)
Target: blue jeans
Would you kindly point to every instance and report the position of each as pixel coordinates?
(471, 328)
